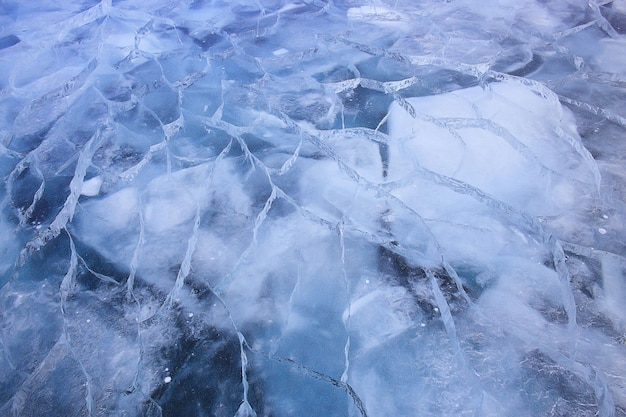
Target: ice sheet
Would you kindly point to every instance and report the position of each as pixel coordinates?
(337, 208)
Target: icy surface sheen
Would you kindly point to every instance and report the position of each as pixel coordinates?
(313, 208)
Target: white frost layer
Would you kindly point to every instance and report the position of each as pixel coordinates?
(161, 215)
(376, 14)
(506, 140)
(91, 187)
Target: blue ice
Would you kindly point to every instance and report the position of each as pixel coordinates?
(313, 208)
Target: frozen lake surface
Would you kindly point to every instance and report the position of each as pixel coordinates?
(313, 208)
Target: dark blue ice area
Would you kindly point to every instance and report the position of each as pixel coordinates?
(313, 208)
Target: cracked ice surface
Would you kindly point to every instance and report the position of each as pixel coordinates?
(315, 208)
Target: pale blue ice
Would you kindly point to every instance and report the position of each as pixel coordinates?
(313, 208)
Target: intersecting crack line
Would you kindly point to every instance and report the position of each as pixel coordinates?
(185, 267)
(533, 228)
(355, 176)
(602, 22)
(387, 87)
(601, 77)
(276, 193)
(454, 123)
(71, 88)
(66, 288)
(236, 133)
(67, 211)
(245, 408)
(320, 376)
(26, 215)
(46, 366)
(61, 98)
(596, 110)
(182, 274)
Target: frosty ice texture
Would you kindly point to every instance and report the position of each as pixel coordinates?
(317, 208)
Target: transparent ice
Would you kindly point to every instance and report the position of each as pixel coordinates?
(313, 208)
